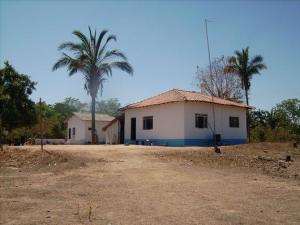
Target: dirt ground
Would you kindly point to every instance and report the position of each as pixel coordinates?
(71, 185)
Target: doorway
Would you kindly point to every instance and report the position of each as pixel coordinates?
(133, 129)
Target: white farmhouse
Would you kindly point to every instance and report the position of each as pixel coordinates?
(79, 127)
(185, 118)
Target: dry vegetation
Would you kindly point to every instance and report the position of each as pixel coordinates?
(134, 185)
(267, 158)
(38, 161)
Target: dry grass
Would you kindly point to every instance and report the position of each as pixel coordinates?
(268, 158)
(129, 185)
(39, 161)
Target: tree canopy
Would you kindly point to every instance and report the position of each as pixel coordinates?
(110, 107)
(245, 67)
(16, 107)
(281, 123)
(218, 83)
(69, 106)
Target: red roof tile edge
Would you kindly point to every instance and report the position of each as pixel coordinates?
(181, 97)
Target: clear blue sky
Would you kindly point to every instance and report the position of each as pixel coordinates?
(164, 42)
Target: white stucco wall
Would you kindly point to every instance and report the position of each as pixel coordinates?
(82, 132)
(168, 121)
(177, 121)
(99, 131)
(112, 133)
(222, 114)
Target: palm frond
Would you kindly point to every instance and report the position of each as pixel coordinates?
(92, 38)
(102, 80)
(72, 71)
(70, 46)
(114, 53)
(256, 59)
(261, 66)
(238, 54)
(109, 39)
(63, 61)
(92, 58)
(123, 65)
(245, 67)
(232, 60)
(100, 38)
(105, 68)
(84, 40)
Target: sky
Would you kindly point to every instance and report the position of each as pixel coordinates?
(163, 40)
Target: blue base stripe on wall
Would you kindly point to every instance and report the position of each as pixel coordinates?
(184, 142)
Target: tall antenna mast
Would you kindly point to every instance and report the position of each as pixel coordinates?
(210, 71)
(41, 125)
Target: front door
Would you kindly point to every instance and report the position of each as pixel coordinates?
(133, 129)
(121, 135)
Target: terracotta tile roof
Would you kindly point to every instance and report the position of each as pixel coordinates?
(177, 95)
(98, 117)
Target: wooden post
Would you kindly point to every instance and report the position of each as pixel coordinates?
(41, 125)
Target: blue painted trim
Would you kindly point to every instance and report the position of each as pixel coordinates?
(184, 142)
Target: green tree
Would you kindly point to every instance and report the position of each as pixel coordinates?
(281, 123)
(110, 107)
(245, 67)
(3, 97)
(289, 113)
(16, 108)
(69, 106)
(64, 111)
(94, 60)
(261, 121)
(51, 122)
(291, 108)
(259, 117)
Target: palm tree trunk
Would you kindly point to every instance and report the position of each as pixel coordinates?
(94, 136)
(247, 116)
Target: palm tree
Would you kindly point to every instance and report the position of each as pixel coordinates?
(92, 57)
(245, 68)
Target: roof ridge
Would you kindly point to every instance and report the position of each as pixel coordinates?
(199, 92)
(177, 91)
(149, 97)
(89, 113)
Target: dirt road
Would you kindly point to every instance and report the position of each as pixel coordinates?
(127, 185)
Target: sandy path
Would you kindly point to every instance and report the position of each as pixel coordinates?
(131, 187)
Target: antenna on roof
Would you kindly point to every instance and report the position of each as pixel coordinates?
(210, 71)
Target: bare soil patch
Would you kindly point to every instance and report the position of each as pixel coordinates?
(266, 158)
(131, 185)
